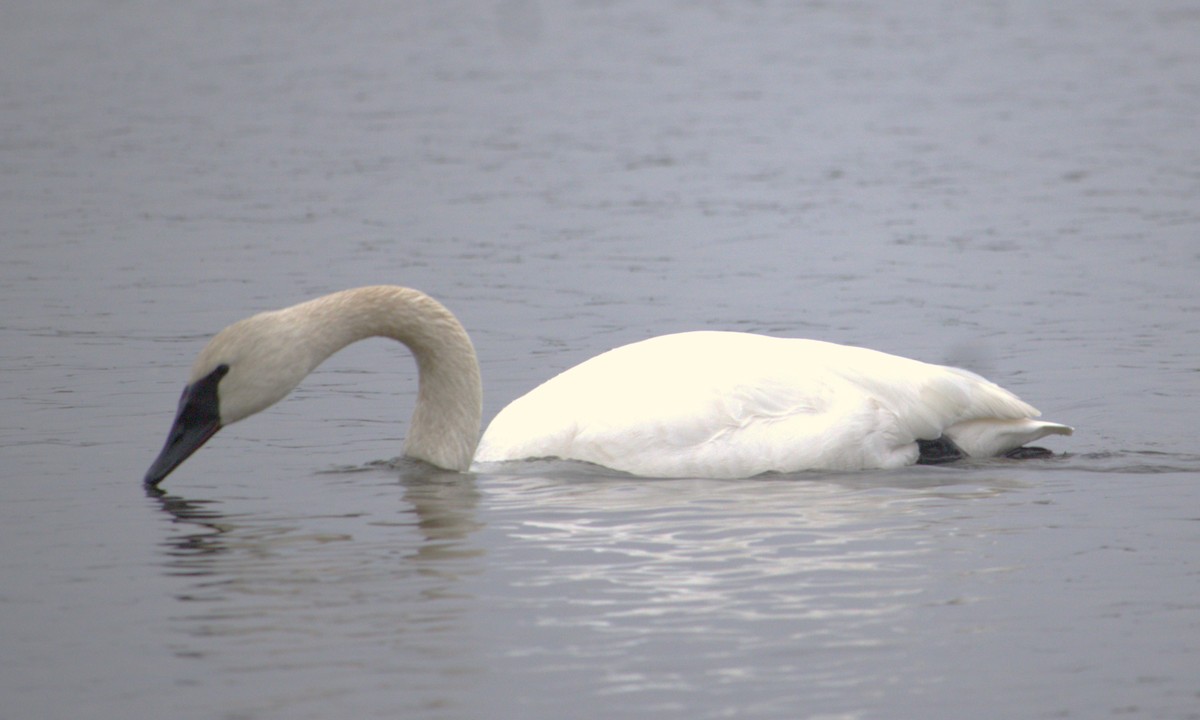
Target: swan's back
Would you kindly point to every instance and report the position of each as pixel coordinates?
(723, 404)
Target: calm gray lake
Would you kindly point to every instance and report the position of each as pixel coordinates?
(1009, 186)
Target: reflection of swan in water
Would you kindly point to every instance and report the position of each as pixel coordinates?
(374, 581)
(444, 504)
(196, 546)
(441, 505)
(700, 404)
(841, 561)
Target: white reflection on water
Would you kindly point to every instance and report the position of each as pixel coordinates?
(704, 555)
(566, 577)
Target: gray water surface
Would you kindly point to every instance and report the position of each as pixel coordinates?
(1007, 186)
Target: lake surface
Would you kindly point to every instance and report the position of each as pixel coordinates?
(1007, 186)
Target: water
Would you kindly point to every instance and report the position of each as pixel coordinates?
(1006, 186)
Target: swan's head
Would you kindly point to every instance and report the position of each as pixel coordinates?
(245, 368)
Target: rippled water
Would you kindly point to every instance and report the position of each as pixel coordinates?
(561, 591)
(1006, 186)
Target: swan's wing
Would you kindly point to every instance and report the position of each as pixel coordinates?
(653, 422)
(705, 403)
(653, 408)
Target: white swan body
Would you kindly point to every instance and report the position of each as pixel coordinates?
(727, 405)
(704, 404)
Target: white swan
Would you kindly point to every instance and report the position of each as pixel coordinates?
(697, 404)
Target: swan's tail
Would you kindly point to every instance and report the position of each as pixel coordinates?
(990, 437)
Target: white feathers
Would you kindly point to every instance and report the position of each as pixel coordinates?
(721, 404)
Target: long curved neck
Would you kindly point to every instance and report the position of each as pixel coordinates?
(445, 424)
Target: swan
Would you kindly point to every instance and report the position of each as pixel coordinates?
(694, 404)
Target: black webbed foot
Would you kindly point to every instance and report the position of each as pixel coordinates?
(937, 452)
(1028, 453)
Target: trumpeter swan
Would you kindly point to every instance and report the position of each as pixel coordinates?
(696, 404)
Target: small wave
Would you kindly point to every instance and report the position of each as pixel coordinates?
(1129, 462)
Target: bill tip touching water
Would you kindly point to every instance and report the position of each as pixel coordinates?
(695, 404)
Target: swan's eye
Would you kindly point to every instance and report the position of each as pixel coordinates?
(221, 371)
